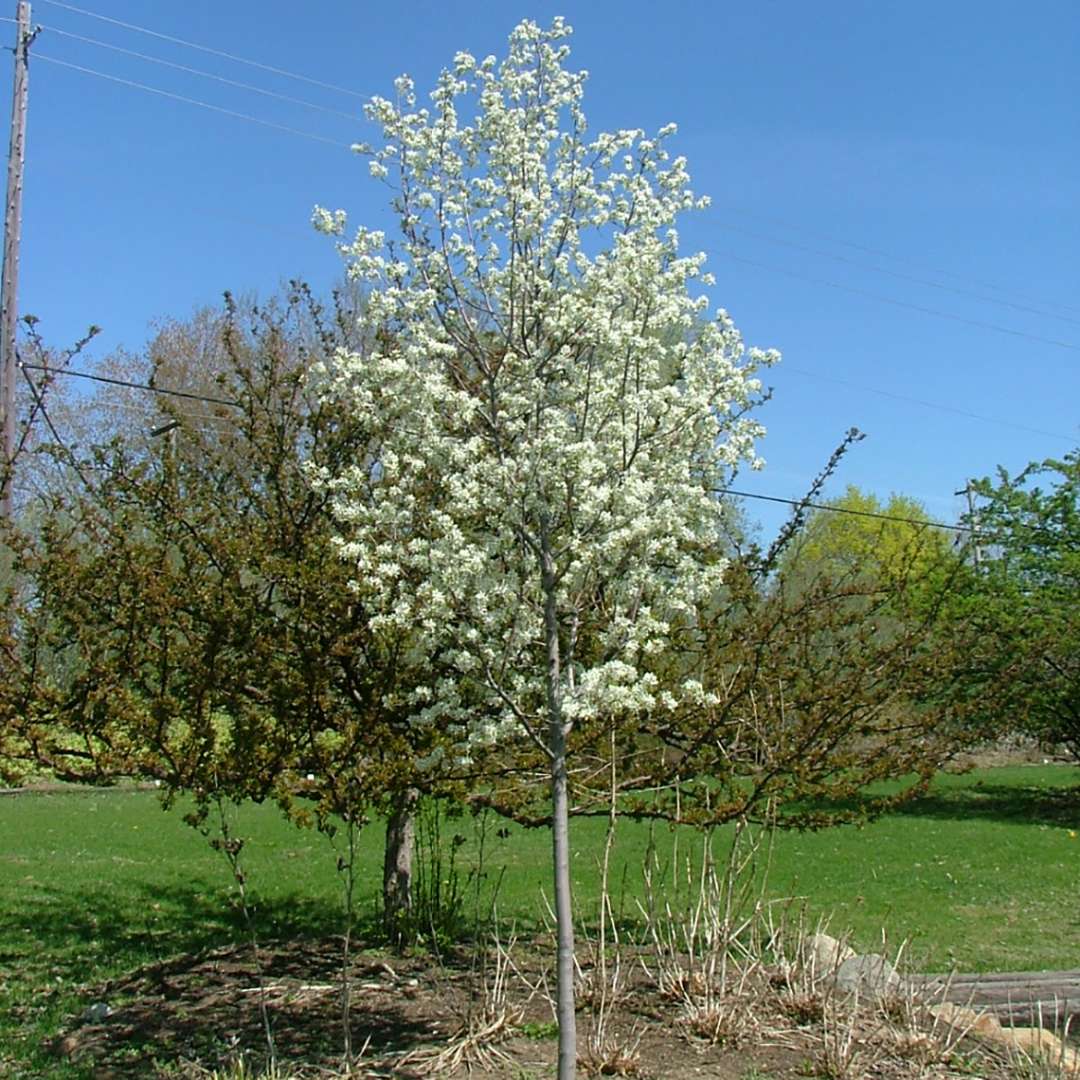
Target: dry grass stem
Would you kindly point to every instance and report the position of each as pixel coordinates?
(475, 1042)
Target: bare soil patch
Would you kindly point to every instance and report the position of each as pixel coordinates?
(191, 1015)
(1009, 752)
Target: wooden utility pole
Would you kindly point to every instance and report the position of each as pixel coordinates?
(12, 228)
(976, 549)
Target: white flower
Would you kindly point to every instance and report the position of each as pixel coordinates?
(330, 222)
(550, 389)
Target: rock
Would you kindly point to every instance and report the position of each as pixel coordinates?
(978, 1022)
(870, 975)
(96, 1013)
(1039, 1043)
(826, 954)
(1032, 1042)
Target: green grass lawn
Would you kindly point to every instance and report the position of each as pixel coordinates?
(983, 873)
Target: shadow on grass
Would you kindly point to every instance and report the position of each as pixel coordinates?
(63, 948)
(981, 801)
(175, 966)
(985, 800)
(83, 934)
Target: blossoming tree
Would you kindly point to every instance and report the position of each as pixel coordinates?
(556, 411)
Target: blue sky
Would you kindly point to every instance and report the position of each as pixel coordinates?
(895, 192)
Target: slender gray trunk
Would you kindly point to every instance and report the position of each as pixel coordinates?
(560, 830)
(564, 912)
(398, 861)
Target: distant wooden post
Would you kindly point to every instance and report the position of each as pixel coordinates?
(12, 228)
(976, 548)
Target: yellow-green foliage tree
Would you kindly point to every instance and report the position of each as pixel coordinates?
(860, 535)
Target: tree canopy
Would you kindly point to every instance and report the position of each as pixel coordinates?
(548, 372)
(184, 614)
(1024, 593)
(557, 409)
(859, 535)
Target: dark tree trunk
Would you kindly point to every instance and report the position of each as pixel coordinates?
(398, 862)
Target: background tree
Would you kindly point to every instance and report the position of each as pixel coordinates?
(858, 536)
(1025, 666)
(186, 616)
(817, 681)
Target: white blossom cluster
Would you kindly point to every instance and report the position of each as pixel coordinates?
(555, 407)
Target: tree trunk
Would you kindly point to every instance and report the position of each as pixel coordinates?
(564, 912)
(560, 829)
(398, 862)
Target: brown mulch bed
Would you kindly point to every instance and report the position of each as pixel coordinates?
(189, 1016)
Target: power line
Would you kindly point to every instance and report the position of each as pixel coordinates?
(894, 302)
(202, 74)
(207, 49)
(844, 510)
(141, 411)
(194, 101)
(719, 491)
(927, 404)
(39, 403)
(884, 393)
(902, 259)
(896, 274)
(133, 385)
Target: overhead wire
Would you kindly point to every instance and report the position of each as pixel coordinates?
(206, 49)
(929, 404)
(141, 411)
(194, 101)
(952, 316)
(880, 253)
(807, 504)
(773, 269)
(896, 274)
(202, 74)
(39, 404)
(129, 384)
